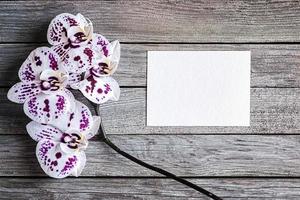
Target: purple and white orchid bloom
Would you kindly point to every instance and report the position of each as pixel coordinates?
(40, 72)
(69, 35)
(61, 125)
(97, 85)
(42, 87)
(83, 52)
(60, 149)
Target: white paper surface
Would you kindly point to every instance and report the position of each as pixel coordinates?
(198, 88)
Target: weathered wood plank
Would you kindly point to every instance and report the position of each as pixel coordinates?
(163, 189)
(272, 65)
(160, 21)
(184, 155)
(273, 111)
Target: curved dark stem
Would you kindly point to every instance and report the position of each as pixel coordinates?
(151, 167)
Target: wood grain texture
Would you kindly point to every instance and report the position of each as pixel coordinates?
(160, 21)
(273, 111)
(228, 161)
(271, 65)
(146, 189)
(188, 156)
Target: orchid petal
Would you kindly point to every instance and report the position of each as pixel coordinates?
(38, 60)
(83, 21)
(83, 119)
(56, 163)
(79, 168)
(80, 119)
(71, 97)
(57, 30)
(114, 52)
(74, 78)
(39, 131)
(78, 60)
(44, 108)
(95, 128)
(99, 44)
(100, 89)
(86, 24)
(61, 50)
(19, 92)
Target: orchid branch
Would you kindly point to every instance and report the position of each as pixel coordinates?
(151, 167)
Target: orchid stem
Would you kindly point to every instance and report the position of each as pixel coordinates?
(151, 167)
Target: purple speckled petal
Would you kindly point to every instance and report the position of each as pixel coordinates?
(79, 60)
(99, 44)
(38, 60)
(100, 89)
(57, 30)
(22, 91)
(61, 50)
(71, 97)
(56, 163)
(79, 168)
(39, 131)
(43, 108)
(67, 32)
(74, 78)
(80, 119)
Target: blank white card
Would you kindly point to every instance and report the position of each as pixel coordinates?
(198, 88)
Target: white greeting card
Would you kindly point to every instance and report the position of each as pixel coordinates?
(198, 88)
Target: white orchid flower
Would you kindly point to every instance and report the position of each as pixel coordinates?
(69, 34)
(97, 85)
(84, 52)
(42, 87)
(60, 148)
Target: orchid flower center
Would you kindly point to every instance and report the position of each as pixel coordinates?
(105, 67)
(52, 80)
(74, 141)
(51, 84)
(80, 34)
(78, 38)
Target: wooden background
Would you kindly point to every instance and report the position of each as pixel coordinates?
(257, 162)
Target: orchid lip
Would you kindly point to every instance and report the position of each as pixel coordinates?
(52, 84)
(79, 37)
(74, 141)
(52, 80)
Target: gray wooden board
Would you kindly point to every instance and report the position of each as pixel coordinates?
(133, 188)
(160, 21)
(184, 155)
(273, 111)
(271, 65)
